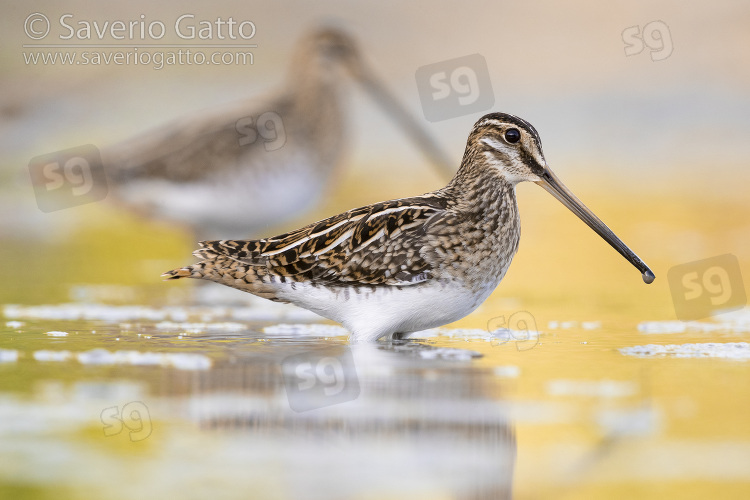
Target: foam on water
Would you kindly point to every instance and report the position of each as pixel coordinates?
(45, 355)
(567, 325)
(635, 422)
(181, 361)
(454, 333)
(592, 388)
(666, 327)
(508, 371)
(8, 355)
(56, 334)
(448, 353)
(313, 330)
(730, 322)
(90, 312)
(729, 350)
(201, 327)
(323, 330)
(111, 313)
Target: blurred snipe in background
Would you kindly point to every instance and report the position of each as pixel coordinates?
(261, 162)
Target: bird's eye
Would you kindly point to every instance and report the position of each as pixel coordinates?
(512, 135)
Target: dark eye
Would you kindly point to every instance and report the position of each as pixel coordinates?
(512, 135)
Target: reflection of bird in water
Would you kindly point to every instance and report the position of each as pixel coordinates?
(323, 409)
(405, 265)
(256, 164)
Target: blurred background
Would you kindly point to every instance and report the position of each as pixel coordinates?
(644, 113)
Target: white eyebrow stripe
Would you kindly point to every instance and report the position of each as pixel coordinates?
(492, 143)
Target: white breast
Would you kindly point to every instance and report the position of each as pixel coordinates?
(371, 312)
(236, 203)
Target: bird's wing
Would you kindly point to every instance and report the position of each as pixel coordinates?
(381, 244)
(193, 147)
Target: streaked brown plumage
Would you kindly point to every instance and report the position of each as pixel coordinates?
(409, 264)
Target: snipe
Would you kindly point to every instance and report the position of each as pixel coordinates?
(409, 264)
(259, 162)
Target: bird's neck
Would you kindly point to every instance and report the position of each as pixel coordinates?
(486, 201)
(311, 79)
(315, 91)
(480, 188)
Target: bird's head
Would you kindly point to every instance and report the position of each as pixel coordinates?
(331, 50)
(512, 147)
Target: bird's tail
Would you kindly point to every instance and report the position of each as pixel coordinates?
(205, 269)
(183, 272)
(226, 271)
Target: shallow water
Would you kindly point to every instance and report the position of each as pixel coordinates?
(257, 401)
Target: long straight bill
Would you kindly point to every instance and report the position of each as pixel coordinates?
(556, 188)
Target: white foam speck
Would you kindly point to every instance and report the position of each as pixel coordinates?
(52, 355)
(85, 311)
(499, 336)
(271, 313)
(201, 327)
(567, 325)
(14, 324)
(96, 357)
(264, 311)
(729, 350)
(738, 317)
(56, 334)
(184, 361)
(592, 388)
(591, 325)
(181, 361)
(733, 324)
(630, 422)
(448, 353)
(8, 355)
(454, 333)
(313, 330)
(508, 371)
(661, 327)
